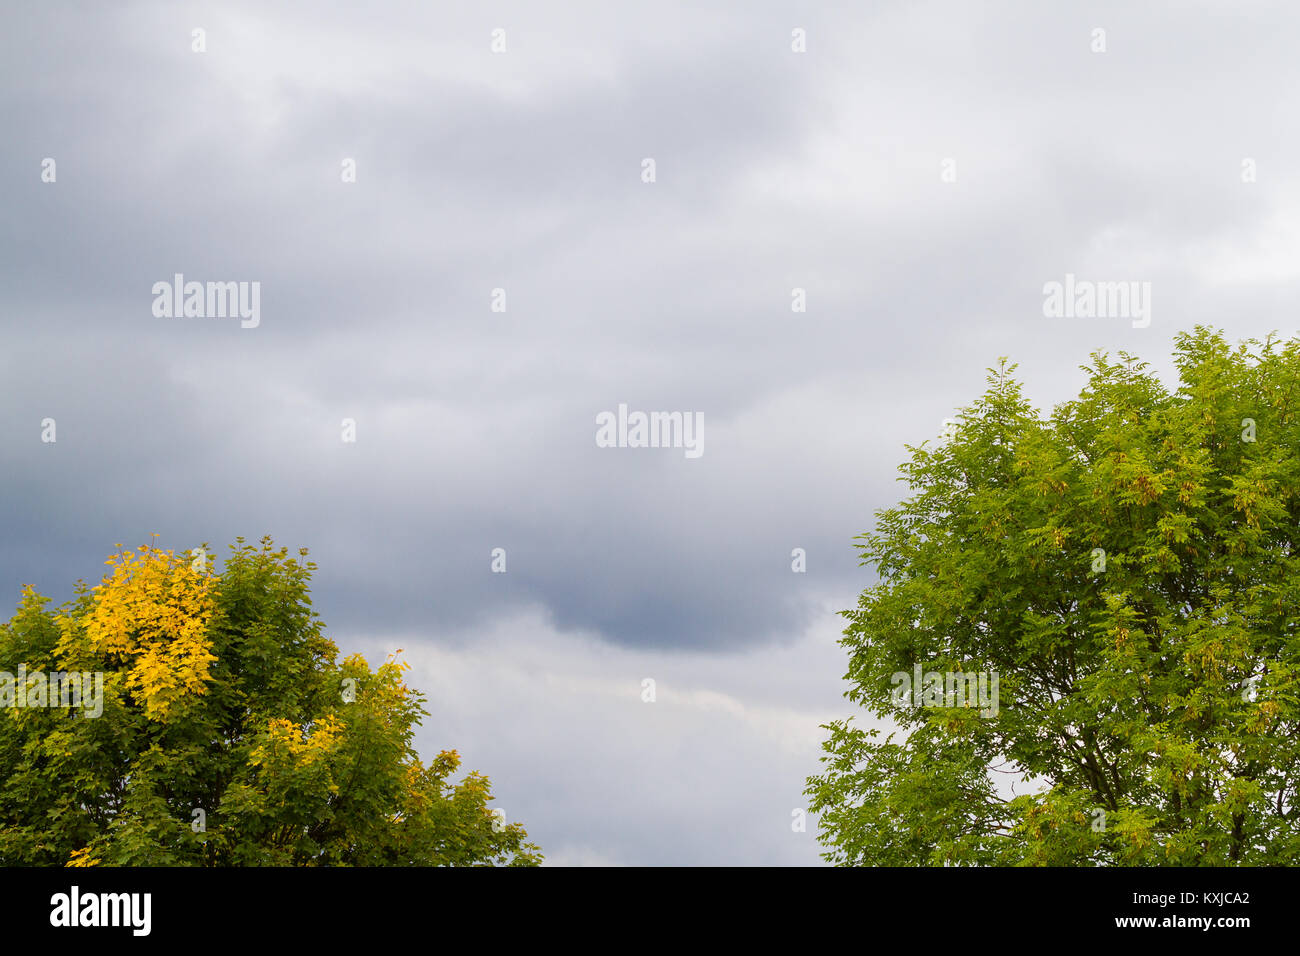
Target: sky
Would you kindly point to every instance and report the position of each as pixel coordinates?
(851, 212)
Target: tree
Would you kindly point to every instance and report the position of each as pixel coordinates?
(1127, 568)
(227, 734)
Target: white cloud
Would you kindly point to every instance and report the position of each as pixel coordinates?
(598, 775)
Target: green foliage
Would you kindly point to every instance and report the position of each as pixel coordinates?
(1126, 701)
(221, 695)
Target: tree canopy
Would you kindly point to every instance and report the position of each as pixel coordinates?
(227, 732)
(1127, 567)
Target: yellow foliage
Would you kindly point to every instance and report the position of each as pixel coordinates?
(153, 609)
(302, 748)
(82, 857)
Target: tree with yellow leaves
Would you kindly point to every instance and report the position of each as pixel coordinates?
(228, 733)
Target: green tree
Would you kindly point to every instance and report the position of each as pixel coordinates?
(1128, 567)
(227, 733)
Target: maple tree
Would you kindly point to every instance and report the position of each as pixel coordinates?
(230, 734)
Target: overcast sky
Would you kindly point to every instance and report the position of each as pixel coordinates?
(921, 170)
